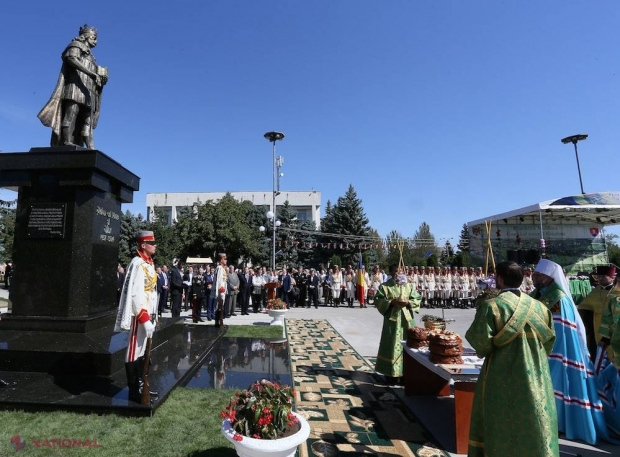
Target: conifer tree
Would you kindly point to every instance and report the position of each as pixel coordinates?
(463, 244)
(347, 217)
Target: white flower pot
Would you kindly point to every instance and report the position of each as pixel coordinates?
(278, 316)
(283, 447)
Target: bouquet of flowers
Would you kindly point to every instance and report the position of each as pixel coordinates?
(276, 303)
(262, 411)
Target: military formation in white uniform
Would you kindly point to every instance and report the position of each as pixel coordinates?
(445, 287)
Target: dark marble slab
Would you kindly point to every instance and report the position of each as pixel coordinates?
(100, 352)
(175, 360)
(238, 362)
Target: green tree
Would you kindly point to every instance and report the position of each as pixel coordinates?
(7, 229)
(424, 245)
(232, 232)
(447, 254)
(327, 224)
(335, 260)
(167, 242)
(463, 244)
(373, 255)
(307, 251)
(130, 225)
(287, 240)
(347, 217)
(613, 250)
(194, 231)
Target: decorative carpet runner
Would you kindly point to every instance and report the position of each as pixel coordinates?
(349, 414)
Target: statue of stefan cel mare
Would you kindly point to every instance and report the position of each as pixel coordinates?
(73, 109)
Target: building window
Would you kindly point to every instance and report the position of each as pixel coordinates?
(303, 215)
(164, 211)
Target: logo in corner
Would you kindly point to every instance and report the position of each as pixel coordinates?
(18, 442)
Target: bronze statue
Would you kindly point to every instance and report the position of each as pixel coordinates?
(73, 109)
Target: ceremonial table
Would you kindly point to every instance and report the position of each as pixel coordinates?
(422, 377)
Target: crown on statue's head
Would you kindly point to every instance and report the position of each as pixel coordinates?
(86, 29)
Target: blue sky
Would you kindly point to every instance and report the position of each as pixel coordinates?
(436, 111)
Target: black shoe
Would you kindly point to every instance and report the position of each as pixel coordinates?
(233, 314)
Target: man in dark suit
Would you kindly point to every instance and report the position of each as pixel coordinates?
(245, 289)
(210, 299)
(163, 287)
(286, 281)
(176, 289)
(313, 288)
(187, 283)
(199, 297)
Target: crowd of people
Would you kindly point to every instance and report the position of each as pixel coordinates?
(537, 363)
(438, 287)
(190, 287)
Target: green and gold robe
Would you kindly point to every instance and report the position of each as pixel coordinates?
(395, 324)
(514, 407)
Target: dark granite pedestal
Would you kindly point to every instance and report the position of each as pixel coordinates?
(178, 352)
(65, 256)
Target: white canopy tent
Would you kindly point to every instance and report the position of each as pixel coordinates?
(601, 209)
(569, 230)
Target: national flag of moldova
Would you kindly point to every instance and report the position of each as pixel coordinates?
(361, 283)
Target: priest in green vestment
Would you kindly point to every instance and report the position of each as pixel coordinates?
(514, 411)
(396, 299)
(593, 306)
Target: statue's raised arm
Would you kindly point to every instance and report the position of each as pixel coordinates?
(73, 109)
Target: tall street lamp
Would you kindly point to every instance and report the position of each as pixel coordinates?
(273, 137)
(574, 139)
(274, 225)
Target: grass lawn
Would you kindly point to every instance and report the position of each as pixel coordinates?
(187, 424)
(254, 331)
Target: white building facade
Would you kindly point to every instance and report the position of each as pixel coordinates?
(306, 204)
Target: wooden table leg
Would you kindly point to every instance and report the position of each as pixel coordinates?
(419, 380)
(463, 401)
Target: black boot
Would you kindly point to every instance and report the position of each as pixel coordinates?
(133, 381)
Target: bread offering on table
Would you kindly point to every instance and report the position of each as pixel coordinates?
(445, 359)
(417, 337)
(445, 347)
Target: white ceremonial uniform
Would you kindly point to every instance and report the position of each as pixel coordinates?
(138, 300)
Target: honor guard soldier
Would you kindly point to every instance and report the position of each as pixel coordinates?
(137, 312)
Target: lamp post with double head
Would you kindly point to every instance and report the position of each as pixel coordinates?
(574, 139)
(272, 137)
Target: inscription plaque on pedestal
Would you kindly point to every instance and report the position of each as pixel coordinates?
(46, 221)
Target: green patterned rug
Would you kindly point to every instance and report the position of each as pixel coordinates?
(349, 414)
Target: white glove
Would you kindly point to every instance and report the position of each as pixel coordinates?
(149, 328)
